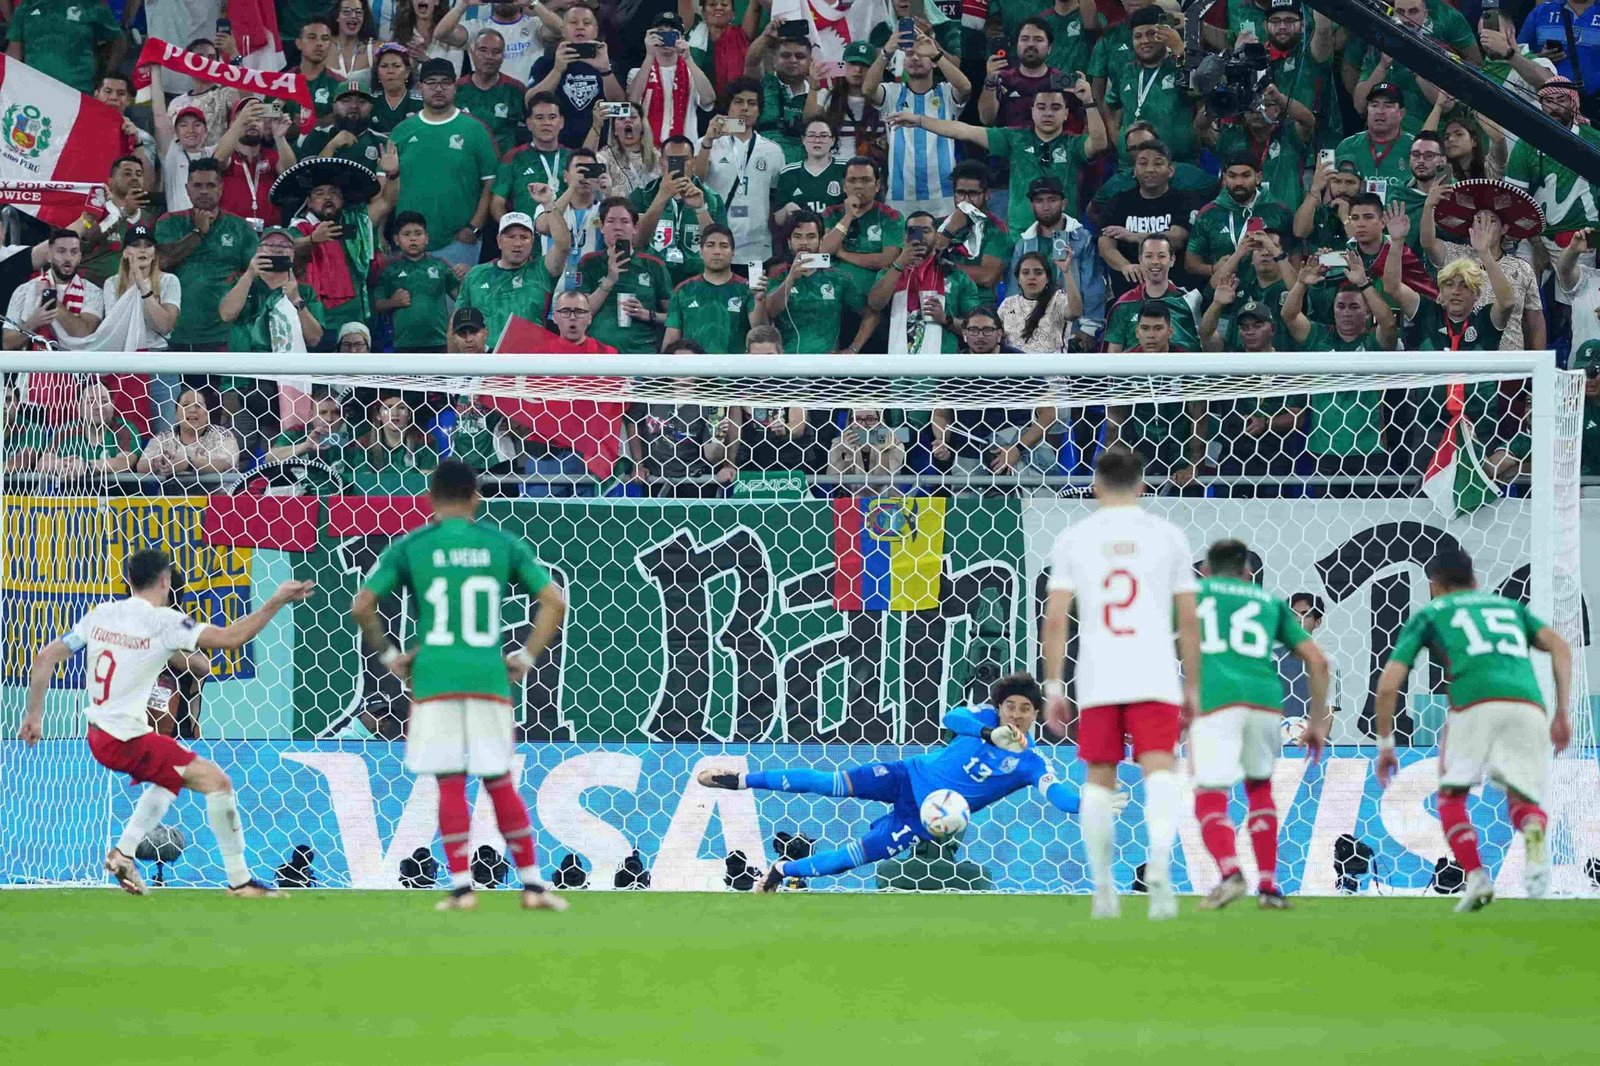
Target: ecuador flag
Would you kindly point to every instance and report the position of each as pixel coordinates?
(888, 553)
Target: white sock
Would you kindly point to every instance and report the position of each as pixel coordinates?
(1097, 821)
(147, 814)
(222, 808)
(1161, 824)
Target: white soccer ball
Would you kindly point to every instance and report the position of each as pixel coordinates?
(945, 814)
(1294, 726)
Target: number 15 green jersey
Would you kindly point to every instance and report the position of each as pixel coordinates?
(460, 573)
(1240, 625)
(1481, 640)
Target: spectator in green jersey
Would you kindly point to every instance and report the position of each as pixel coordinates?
(416, 288)
(395, 457)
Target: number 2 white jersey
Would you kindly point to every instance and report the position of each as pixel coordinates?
(1123, 565)
(128, 642)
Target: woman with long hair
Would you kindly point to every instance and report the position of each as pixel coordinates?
(350, 55)
(1038, 317)
(858, 124)
(415, 22)
(1474, 146)
(630, 153)
(718, 44)
(393, 100)
(194, 444)
(159, 291)
(396, 456)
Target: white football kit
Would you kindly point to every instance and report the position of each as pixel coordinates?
(128, 642)
(1123, 565)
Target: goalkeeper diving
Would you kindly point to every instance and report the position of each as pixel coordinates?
(989, 758)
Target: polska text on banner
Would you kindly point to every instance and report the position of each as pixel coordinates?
(281, 85)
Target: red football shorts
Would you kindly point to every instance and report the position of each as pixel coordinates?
(153, 757)
(1151, 726)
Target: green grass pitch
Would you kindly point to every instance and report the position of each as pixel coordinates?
(624, 978)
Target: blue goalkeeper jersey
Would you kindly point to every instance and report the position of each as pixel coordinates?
(981, 772)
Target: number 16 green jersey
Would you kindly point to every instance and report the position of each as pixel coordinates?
(460, 573)
(1481, 641)
(1240, 625)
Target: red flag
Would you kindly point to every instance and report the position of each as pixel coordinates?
(591, 428)
(364, 516)
(52, 136)
(284, 523)
(279, 84)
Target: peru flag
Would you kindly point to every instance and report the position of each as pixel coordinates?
(52, 137)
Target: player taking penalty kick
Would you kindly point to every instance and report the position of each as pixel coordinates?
(989, 758)
(1497, 726)
(1131, 574)
(460, 572)
(129, 642)
(1239, 728)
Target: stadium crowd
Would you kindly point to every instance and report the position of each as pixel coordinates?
(692, 175)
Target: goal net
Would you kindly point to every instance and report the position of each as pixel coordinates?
(764, 569)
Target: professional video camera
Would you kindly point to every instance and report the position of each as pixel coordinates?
(1233, 82)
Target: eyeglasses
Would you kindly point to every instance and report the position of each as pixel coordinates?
(983, 329)
(570, 312)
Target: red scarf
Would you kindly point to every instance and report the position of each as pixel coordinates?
(924, 277)
(327, 272)
(727, 56)
(655, 100)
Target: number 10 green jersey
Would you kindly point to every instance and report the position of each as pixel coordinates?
(1481, 641)
(1240, 625)
(460, 573)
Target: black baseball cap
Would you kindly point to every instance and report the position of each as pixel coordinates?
(1389, 89)
(436, 68)
(668, 20)
(467, 320)
(1045, 185)
(138, 234)
(1252, 309)
(1292, 6)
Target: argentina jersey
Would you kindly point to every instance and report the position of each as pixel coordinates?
(919, 161)
(979, 771)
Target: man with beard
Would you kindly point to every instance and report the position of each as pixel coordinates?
(449, 165)
(203, 246)
(490, 96)
(1277, 142)
(675, 210)
(127, 204)
(1152, 206)
(1153, 88)
(926, 298)
(1009, 89)
(783, 92)
(1429, 170)
(1156, 260)
(544, 161)
(1301, 66)
(59, 302)
(972, 239)
(517, 24)
(1345, 434)
(1239, 208)
(1044, 148)
(1051, 234)
(351, 135)
(1566, 198)
(249, 167)
(1319, 220)
(338, 244)
(1381, 152)
(517, 283)
(316, 38)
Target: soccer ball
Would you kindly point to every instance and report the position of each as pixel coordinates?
(1293, 727)
(945, 814)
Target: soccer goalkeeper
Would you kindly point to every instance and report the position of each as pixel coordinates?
(989, 759)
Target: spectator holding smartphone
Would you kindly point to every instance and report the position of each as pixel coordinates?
(806, 300)
(127, 205)
(785, 90)
(269, 308)
(578, 71)
(675, 210)
(1009, 87)
(628, 290)
(741, 165)
(1544, 31)
(585, 177)
(59, 302)
(670, 88)
(866, 447)
(926, 297)
(249, 165)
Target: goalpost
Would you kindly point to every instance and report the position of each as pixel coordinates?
(818, 597)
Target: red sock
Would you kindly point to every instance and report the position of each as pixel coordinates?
(1211, 810)
(1262, 821)
(1458, 831)
(455, 826)
(511, 814)
(1522, 810)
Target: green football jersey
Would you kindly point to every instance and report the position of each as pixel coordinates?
(444, 166)
(814, 192)
(499, 107)
(1240, 625)
(1481, 640)
(460, 573)
(715, 316)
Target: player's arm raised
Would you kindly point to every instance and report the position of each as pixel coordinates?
(246, 629)
(1315, 735)
(1548, 640)
(45, 662)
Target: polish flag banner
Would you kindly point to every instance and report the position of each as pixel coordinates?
(52, 137)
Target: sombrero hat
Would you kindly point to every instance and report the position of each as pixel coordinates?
(358, 183)
(1518, 213)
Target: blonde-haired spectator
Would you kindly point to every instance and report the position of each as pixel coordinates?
(629, 155)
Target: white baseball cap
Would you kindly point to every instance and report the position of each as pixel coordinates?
(515, 218)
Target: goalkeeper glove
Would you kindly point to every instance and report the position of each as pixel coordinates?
(1007, 738)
